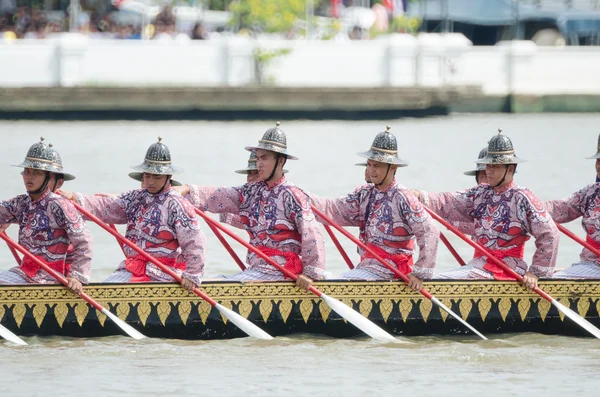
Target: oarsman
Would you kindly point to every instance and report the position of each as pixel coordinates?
(159, 221)
(390, 218)
(276, 214)
(584, 203)
(48, 224)
(505, 216)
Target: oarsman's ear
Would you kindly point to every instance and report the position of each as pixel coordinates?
(512, 168)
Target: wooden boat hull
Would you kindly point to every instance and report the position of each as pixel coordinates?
(167, 311)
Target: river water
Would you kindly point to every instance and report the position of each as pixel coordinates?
(439, 149)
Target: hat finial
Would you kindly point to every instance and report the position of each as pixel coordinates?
(499, 131)
(159, 139)
(277, 124)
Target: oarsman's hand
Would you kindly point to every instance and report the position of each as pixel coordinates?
(106, 195)
(414, 282)
(530, 280)
(184, 190)
(303, 282)
(67, 195)
(4, 227)
(187, 284)
(74, 285)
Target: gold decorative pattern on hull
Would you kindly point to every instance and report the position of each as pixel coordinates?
(60, 313)
(425, 308)
(543, 308)
(204, 309)
(39, 313)
(285, 308)
(185, 309)
(485, 304)
(523, 305)
(143, 310)
(81, 310)
(265, 309)
(19, 313)
(465, 307)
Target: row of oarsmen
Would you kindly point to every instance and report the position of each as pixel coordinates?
(277, 215)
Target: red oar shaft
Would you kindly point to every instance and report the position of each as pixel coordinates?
(486, 253)
(227, 247)
(140, 251)
(48, 269)
(451, 249)
(578, 239)
(258, 252)
(339, 247)
(13, 252)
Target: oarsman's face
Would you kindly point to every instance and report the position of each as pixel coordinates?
(33, 179)
(495, 173)
(376, 172)
(265, 161)
(153, 183)
(252, 176)
(482, 177)
(598, 167)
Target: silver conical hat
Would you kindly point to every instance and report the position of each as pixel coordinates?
(361, 164)
(44, 157)
(384, 149)
(138, 176)
(158, 161)
(500, 151)
(480, 167)
(597, 155)
(273, 140)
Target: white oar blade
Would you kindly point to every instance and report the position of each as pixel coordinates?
(582, 322)
(359, 321)
(129, 330)
(243, 324)
(456, 316)
(11, 337)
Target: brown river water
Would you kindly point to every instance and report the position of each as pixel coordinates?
(439, 149)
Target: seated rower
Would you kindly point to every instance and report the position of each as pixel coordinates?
(48, 224)
(505, 217)
(390, 218)
(584, 203)
(159, 220)
(275, 213)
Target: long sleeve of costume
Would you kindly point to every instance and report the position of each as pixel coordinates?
(454, 207)
(10, 209)
(231, 219)
(190, 239)
(344, 211)
(68, 218)
(546, 234)
(215, 199)
(108, 209)
(312, 247)
(569, 209)
(426, 233)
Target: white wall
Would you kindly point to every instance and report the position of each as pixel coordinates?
(399, 61)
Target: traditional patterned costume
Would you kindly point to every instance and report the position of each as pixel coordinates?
(504, 219)
(164, 225)
(48, 226)
(584, 203)
(277, 218)
(390, 221)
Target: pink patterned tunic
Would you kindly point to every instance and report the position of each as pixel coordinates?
(47, 227)
(231, 219)
(584, 203)
(278, 217)
(164, 225)
(390, 220)
(504, 219)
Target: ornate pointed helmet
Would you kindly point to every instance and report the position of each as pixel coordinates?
(480, 167)
(251, 164)
(500, 151)
(384, 149)
(597, 155)
(44, 157)
(158, 161)
(139, 176)
(273, 140)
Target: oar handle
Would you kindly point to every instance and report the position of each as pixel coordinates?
(227, 246)
(578, 239)
(487, 253)
(451, 249)
(250, 247)
(59, 277)
(137, 249)
(356, 241)
(339, 247)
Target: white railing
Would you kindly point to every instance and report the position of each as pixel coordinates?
(396, 61)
